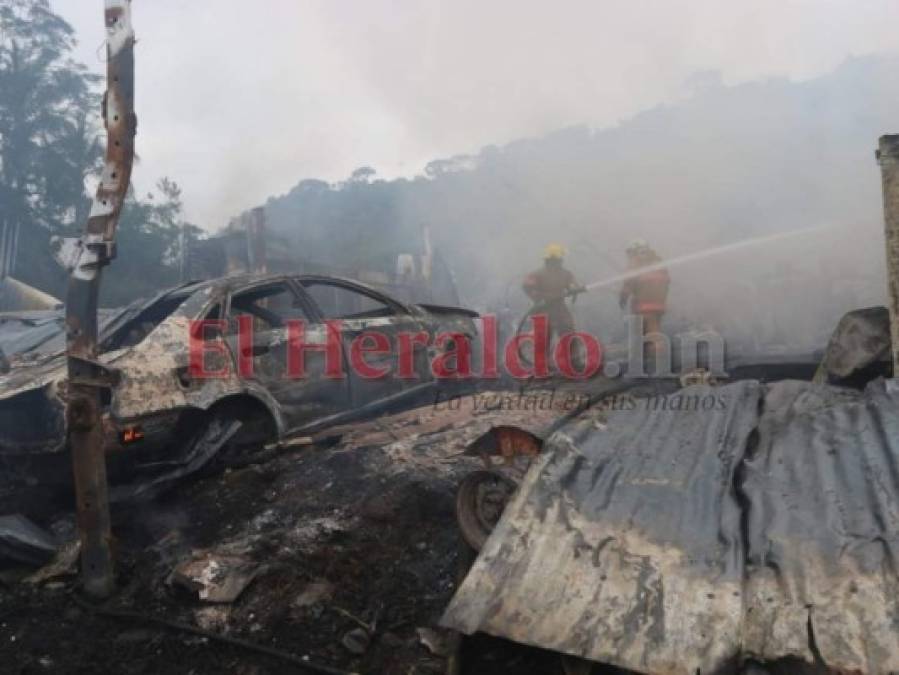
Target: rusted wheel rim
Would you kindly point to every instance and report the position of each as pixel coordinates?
(480, 502)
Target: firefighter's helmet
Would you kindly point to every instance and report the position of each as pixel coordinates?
(554, 252)
(637, 246)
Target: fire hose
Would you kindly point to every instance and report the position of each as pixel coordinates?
(535, 309)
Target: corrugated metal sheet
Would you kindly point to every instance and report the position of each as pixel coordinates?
(42, 330)
(822, 522)
(704, 526)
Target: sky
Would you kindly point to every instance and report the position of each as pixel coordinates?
(238, 101)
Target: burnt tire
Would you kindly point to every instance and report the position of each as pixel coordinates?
(480, 502)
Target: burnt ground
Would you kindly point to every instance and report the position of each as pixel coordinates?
(357, 533)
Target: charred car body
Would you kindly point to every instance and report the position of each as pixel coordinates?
(153, 404)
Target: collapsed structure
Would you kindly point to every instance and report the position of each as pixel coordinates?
(702, 528)
(247, 244)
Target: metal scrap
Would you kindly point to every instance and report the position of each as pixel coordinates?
(861, 340)
(214, 577)
(682, 537)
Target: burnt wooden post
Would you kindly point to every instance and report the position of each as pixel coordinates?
(256, 253)
(85, 258)
(888, 158)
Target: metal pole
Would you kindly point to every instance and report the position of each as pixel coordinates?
(86, 258)
(888, 158)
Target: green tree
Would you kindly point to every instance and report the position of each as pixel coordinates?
(150, 237)
(48, 138)
(50, 143)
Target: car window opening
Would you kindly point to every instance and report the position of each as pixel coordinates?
(271, 307)
(133, 332)
(340, 302)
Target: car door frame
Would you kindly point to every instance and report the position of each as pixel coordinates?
(399, 388)
(295, 415)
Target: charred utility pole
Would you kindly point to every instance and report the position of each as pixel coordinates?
(888, 158)
(86, 257)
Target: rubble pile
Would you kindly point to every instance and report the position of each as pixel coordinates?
(343, 553)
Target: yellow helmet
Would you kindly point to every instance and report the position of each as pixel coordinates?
(637, 246)
(554, 251)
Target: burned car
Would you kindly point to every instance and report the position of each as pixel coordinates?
(156, 403)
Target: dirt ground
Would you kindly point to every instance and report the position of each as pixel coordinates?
(356, 550)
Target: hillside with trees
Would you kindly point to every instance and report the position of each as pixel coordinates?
(724, 163)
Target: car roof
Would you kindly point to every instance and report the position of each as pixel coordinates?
(232, 282)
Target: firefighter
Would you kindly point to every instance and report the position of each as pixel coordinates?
(548, 288)
(647, 293)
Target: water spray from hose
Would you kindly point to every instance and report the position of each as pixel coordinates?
(705, 253)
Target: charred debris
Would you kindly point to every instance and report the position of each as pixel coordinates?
(604, 526)
(742, 521)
